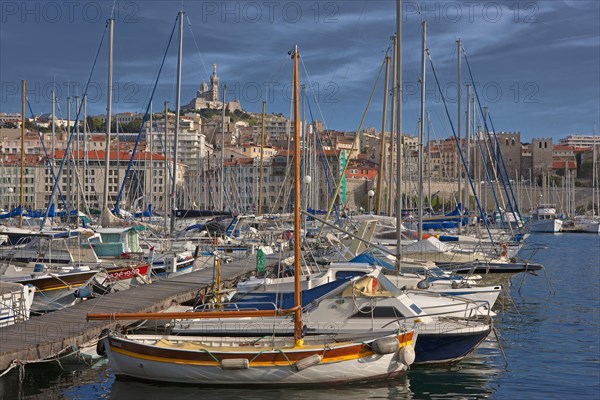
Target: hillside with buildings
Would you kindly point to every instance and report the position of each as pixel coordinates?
(209, 139)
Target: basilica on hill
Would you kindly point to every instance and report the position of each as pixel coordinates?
(208, 96)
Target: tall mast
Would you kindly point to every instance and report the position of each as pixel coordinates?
(118, 140)
(429, 159)
(111, 23)
(22, 191)
(422, 126)
(151, 144)
(75, 165)
(390, 203)
(69, 160)
(176, 133)
(594, 172)
(53, 128)
(85, 153)
(303, 133)
(222, 180)
(398, 85)
(382, 139)
(262, 149)
(468, 144)
(297, 300)
(488, 184)
(166, 171)
(458, 145)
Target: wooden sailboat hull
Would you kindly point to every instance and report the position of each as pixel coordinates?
(56, 291)
(190, 363)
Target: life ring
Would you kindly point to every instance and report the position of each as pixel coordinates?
(504, 248)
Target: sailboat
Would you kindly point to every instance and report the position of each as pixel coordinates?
(591, 225)
(269, 360)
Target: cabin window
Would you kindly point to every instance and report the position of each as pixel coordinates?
(378, 312)
(110, 237)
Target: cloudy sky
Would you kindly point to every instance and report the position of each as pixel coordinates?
(536, 64)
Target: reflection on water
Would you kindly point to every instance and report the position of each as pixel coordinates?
(551, 342)
(73, 379)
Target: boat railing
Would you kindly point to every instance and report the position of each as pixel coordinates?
(233, 306)
(19, 304)
(470, 305)
(476, 317)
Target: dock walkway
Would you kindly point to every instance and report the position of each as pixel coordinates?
(48, 335)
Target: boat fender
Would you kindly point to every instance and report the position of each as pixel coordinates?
(504, 249)
(100, 349)
(235, 363)
(83, 293)
(406, 355)
(424, 284)
(307, 362)
(386, 345)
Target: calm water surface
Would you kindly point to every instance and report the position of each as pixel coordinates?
(549, 331)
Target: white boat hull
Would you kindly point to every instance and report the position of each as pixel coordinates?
(546, 226)
(588, 226)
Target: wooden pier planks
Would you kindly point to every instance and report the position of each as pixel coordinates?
(45, 336)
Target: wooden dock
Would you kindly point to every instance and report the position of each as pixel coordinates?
(48, 335)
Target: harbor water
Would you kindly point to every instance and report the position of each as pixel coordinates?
(549, 347)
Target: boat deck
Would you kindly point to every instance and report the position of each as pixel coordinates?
(48, 335)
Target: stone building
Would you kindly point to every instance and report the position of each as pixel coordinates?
(542, 151)
(510, 149)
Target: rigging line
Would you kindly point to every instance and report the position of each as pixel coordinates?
(356, 24)
(343, 172)
(62, 128)
(501, 158)
(497, 144)
(444, 168)
(462, 157)
(164, 147)
(112, 11)
(503, 164)
(486, 161)
(93, 178)
(312, 90)
(326, 166)
(129, 166)
(62, 164)
(490, 167)
(46, 154)
(325, 162)
(196, 43)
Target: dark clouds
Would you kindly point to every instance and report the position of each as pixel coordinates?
(536, 64)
